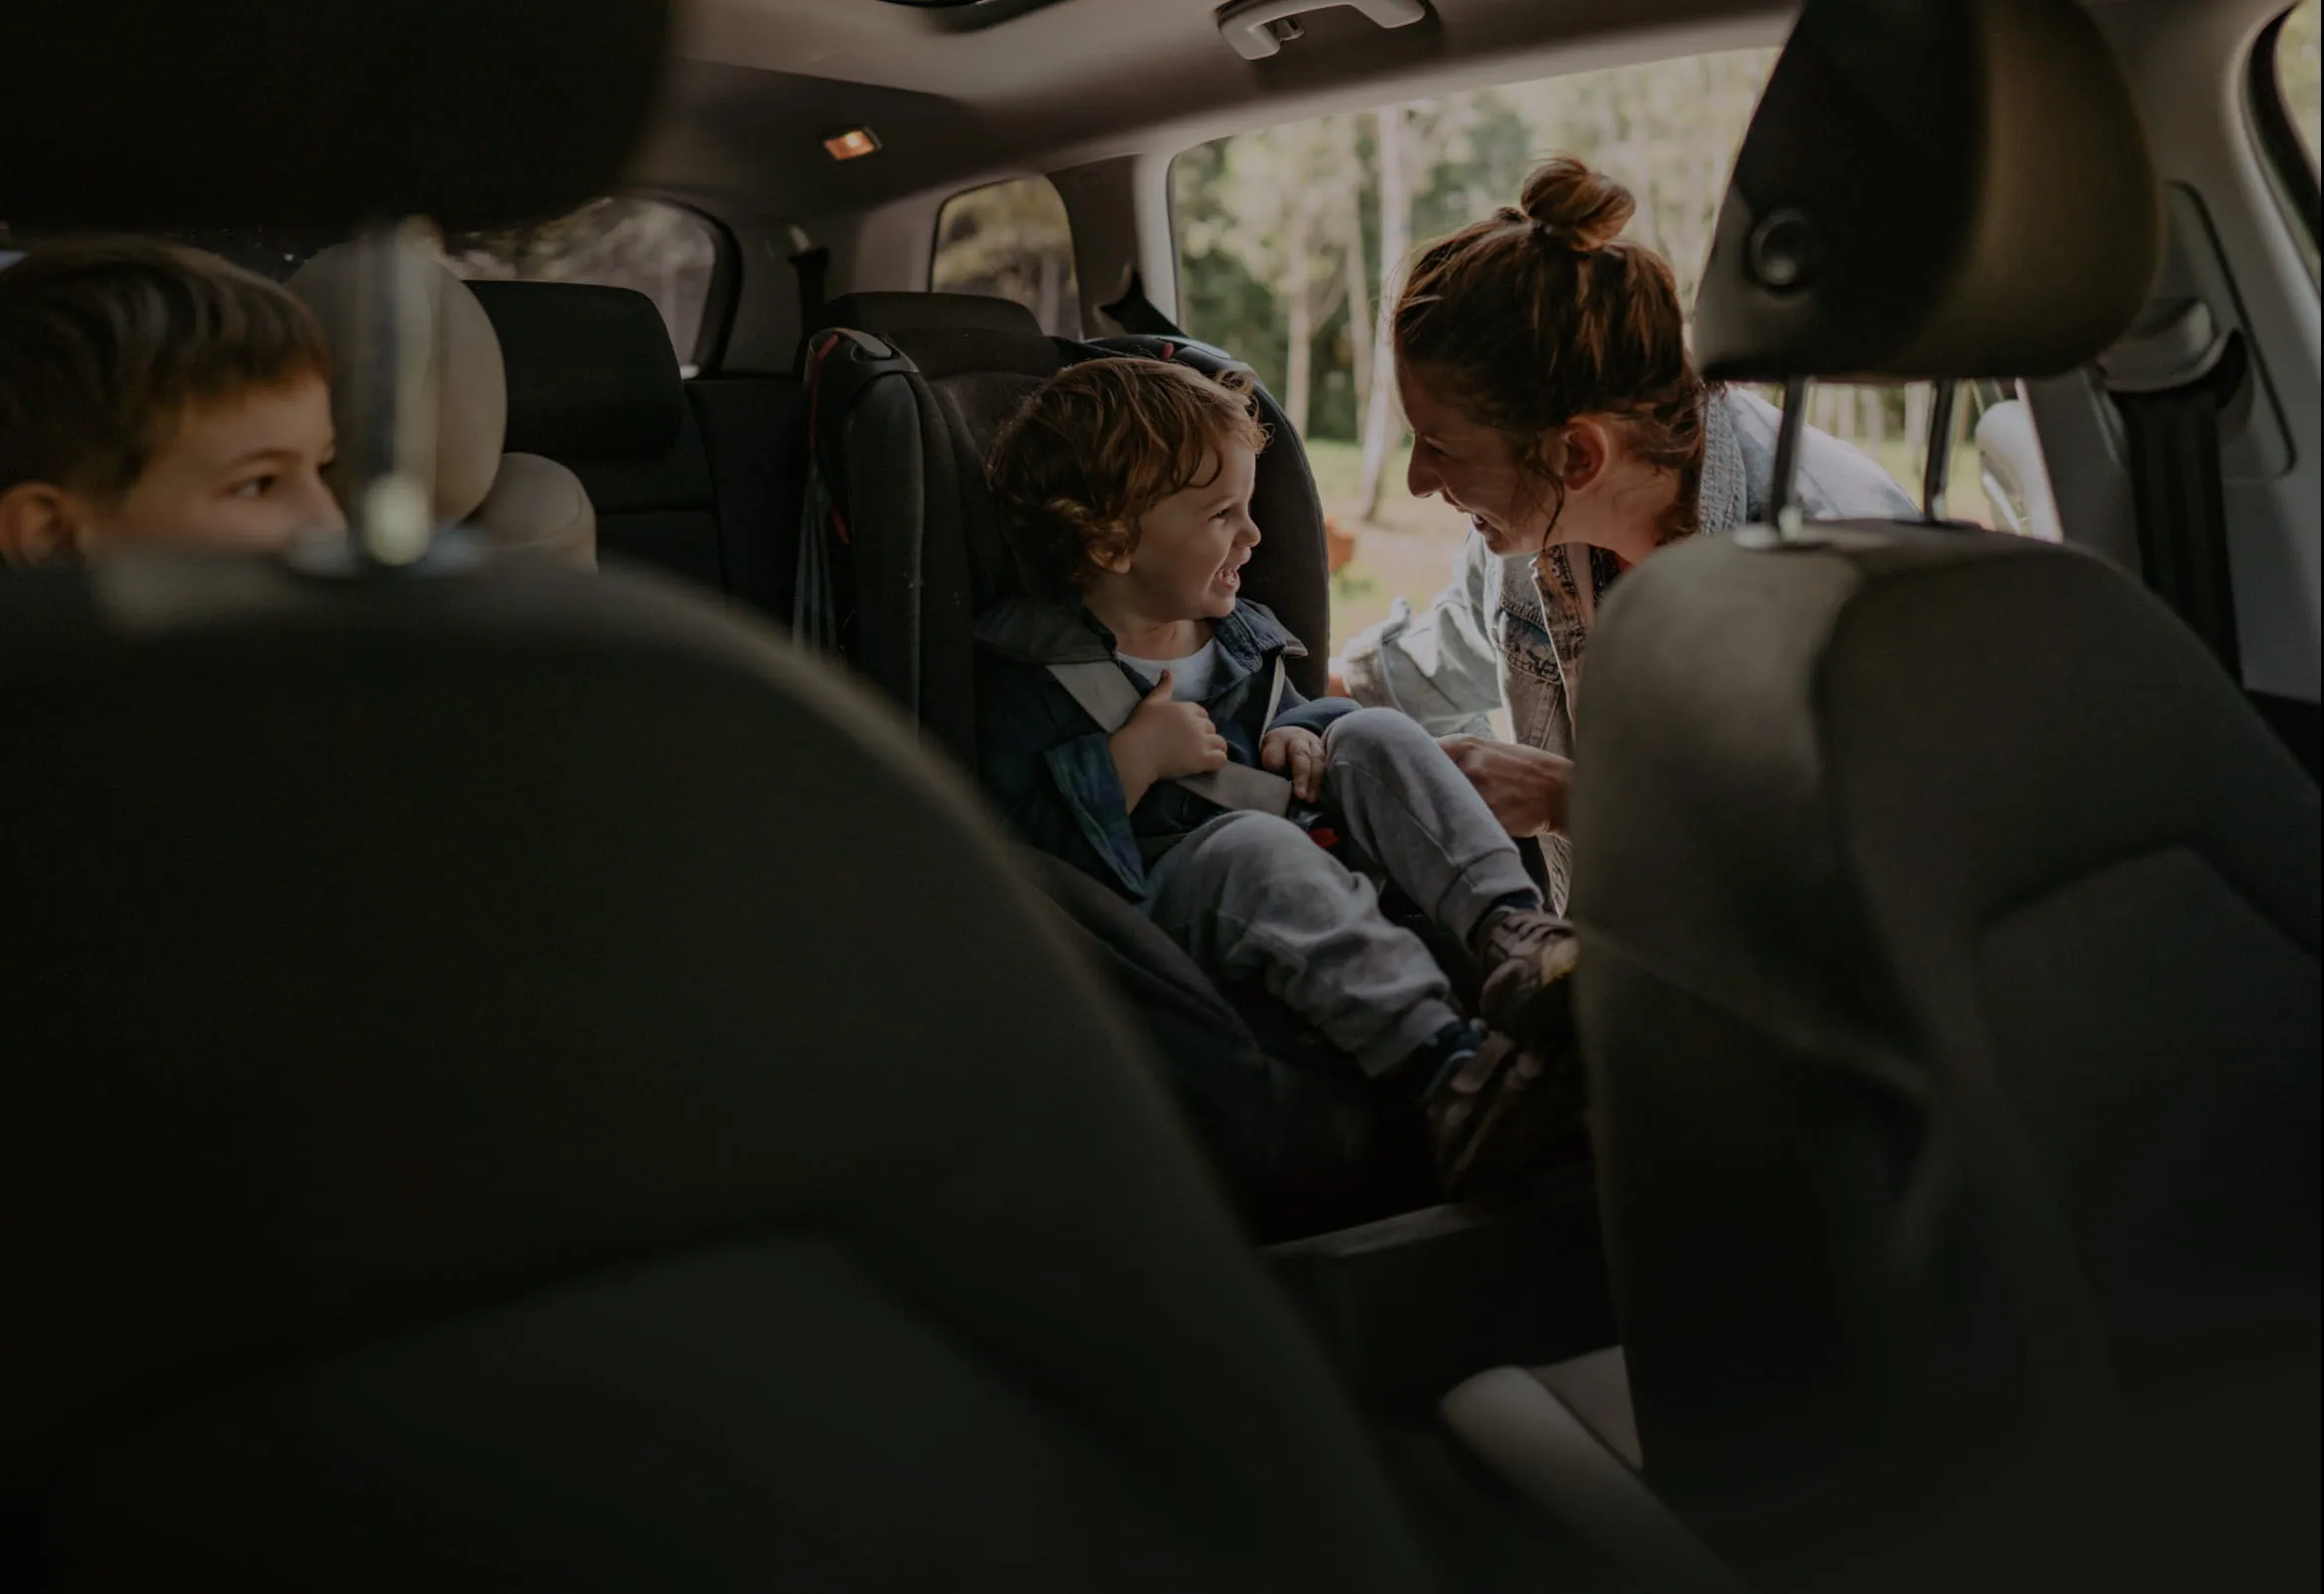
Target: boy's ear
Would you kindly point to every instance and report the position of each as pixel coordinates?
(1115, 554)
(40, 524)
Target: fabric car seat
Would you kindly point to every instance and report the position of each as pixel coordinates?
(1950, 962)
(925, 550)
(447, 1152)
(698, 476)
(906, 392)
(514, 503)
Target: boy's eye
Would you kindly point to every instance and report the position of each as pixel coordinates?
(257, 486)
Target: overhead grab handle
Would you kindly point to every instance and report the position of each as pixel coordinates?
(1257, 29)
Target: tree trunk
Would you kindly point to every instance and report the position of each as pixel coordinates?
(1917, 424)
(1299, 324)
(1355, 273)
(1379, 409)
(1052, 281)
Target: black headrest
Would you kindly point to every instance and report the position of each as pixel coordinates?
(1933, 188)
(948, 332)
(589, 368)
(126, 113)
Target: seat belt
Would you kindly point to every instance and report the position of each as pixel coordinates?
(2171, 377)
(1106, 696)
(812, 268)
(841, 365)
(1138, 315)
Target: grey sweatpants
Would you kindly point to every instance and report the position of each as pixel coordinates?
(1251, 895)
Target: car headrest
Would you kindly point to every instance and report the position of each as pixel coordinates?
(471, 396)
(591, 372)
(286, 110)
(948, 332)
(1933, 189)
(537, 507)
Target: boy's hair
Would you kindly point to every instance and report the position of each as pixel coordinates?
(104, 342)
(1099, 444)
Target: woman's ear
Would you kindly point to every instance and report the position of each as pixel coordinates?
(1588, 447)
(40, 524)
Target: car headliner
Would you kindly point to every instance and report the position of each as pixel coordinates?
(1042, 85)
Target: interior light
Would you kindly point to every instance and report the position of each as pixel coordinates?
(851, 144)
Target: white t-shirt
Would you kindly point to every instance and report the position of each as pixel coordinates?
(1190, 677)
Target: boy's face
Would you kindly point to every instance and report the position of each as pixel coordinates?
(241, 474)
(1193, 545)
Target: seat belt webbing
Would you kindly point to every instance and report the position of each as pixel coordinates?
(1138, 315)
(2171, 379)
(1106, 696)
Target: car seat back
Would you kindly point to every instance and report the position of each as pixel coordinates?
(1951, 943)
(697, 475)
(517, 502)
(904, 432)
(424, 1110)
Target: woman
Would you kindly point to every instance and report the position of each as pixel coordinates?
(1544, 369)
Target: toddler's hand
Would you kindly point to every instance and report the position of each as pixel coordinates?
(1298, 753)
(1164, 740)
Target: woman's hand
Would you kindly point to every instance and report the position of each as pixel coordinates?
(1297, 753)
(1525, 786)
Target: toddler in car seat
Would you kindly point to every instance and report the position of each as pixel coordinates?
(1133, 719)
(152, 395)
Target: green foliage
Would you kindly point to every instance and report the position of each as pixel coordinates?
(1245, 203)
(1011, 241)
(2296, 71)
(664, 251)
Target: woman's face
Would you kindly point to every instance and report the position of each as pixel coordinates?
(1474, 468)
(1611, 498)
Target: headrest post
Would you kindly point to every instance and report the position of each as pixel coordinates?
(1782, 513)
(1936, 473)
(390, 508)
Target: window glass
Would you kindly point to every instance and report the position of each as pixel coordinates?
(664, 251)
(2296, 74)
(1011, 241)
(1279, 235)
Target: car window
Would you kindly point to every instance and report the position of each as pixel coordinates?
(2297, 76)
(1280, 262)
(664, 251)
(1011, 241)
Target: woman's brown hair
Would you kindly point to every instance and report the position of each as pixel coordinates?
(1540, 312)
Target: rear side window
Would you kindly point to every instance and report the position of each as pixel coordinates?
(2296, 76)
(664, 251)
(1011, 241)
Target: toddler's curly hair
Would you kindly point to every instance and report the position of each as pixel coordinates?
(1099, 444)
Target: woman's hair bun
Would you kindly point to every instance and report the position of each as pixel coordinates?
(1579, 207)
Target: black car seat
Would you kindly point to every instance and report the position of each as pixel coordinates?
(445, 1152)
(1951, 965)
(906, 392)
(700, 477)
(516, 503)
(905, 465)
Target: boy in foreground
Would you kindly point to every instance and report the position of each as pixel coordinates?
(1132, 705)
(153, 395)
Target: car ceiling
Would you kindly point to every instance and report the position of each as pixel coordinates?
(1040, 85)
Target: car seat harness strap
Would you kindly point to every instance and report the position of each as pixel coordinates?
(1106, 696)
